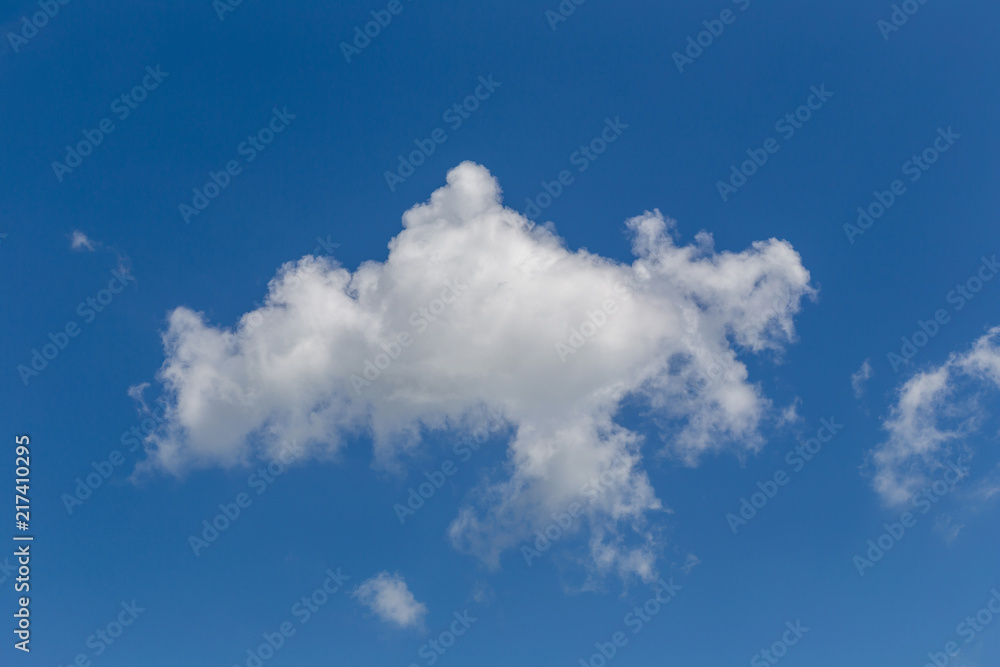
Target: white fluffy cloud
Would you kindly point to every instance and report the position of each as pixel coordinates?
(935, 411)
(390, 598)
(477, 308)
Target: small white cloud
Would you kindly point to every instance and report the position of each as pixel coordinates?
(80, 241)
(860, 377)
(389, 597)
(790, 414)
(931, 418)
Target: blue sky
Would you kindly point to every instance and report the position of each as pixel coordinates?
(679, 336)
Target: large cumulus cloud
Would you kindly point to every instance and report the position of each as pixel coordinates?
(477, 308)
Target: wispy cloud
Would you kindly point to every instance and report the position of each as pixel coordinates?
(80, 241)
(935, 411)
(860, 377)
